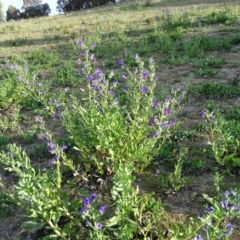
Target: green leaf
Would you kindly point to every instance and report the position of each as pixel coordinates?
(33, 226)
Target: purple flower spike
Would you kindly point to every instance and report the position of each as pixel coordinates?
(86, 201)
(120, 63)
(144, 89)
(99, 225)
(238, 208)
(102, 209)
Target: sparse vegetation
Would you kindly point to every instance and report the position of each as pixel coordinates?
(115, 119)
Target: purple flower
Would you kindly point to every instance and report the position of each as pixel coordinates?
(120, 63)
(52, 161)
(200, 214)
(95, 88)
(136, 56)
(64, 147)
(238, 208)
(78, 73)
(91, 77)
(14, 66)
(226, 205)
(167, 102)
(86, 201)
(155, 135)
(144, 89)
(212, 119)
(85, 53)
(202, 113)
(88, 223)
(111, 92)
(170, 123)
(124, 77)
(56, 116)
(163, 125)
(149, 136)
(52, 101)
(154, 104)
(80, 43)
(82, 211)
(99, 225)
(102, 209)
(99, 72)
(94, 45)
(144, 75)
(84, 69)
(229, 228)
(198, 237)
(37, 117)
(167, 112)
(51, 148)
(93, 196)
(152, 122)
(209, 209)
(60, 107)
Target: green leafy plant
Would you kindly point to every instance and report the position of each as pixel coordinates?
(224, 139)
(216, 90)
(130, 123)
(175, 179)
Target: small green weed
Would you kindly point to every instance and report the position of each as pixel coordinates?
(225, 16)
(6, 205)
(216, 90)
